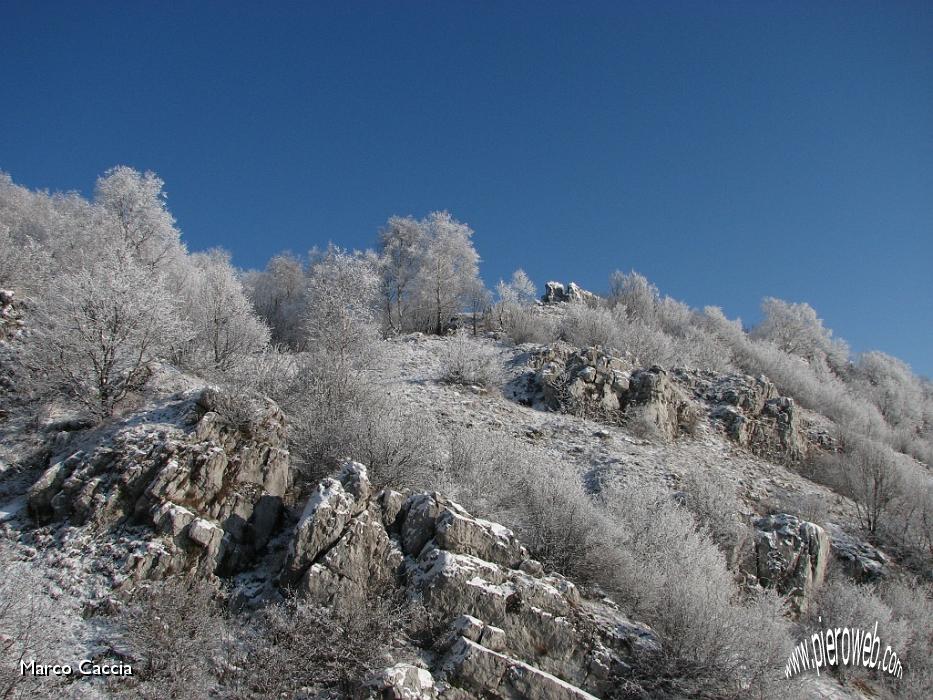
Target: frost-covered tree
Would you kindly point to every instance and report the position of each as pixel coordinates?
(135, 204)
(448, 270)
(341, 317)
(636, 295)
(280, 297)
(341, 341)
(796, 329)
(225, 327)
(891, 385)
(98, 331)
(401, 246)
(516, 297)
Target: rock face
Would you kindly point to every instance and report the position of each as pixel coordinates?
(591, 383)
(211, 491)
(11, 319)
(556, 292)
(751, 412)
(514, 630)
(859, 559)
(791, 555)
(594, 384)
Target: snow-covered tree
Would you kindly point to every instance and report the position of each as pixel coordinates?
(279, 295)
(796, 329)
(516, 297)
(225, 327)
(891, 385)
(98, 331)
(135, 204)
(340, 317)
(636, 294)
(448, 270)
(401, 246)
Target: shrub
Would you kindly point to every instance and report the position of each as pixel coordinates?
(27, 629)
(676, 580)
(911, 603)
(397, 443)
(179, 637)
(471, 362)
(712, 499)
(297, 647)
(586, 326)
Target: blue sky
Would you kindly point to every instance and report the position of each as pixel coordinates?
(728, 151)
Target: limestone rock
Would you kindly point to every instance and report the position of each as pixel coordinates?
(487, 672)
(557, 292)
(751, 412)
(791, 555)
(859, 559)
(211, 492)
(471, 572)
(400, 682)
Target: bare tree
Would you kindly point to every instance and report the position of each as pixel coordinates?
(872, 478)
(479, 299)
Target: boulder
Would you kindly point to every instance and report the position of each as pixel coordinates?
(340, 547)
(399, 682)
(861, 561)
(791, 555)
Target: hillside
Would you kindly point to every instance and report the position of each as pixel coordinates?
(363, 474)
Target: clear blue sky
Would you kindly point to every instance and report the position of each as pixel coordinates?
(729, 151)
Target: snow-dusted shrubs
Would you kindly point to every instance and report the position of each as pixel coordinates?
(470, 362)
(587, 326)
(28, 629)
(903, 611)
(294, 648)
(712, 499)
(180, 640)
(676, 580)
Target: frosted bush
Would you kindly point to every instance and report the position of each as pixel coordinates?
(471, 362)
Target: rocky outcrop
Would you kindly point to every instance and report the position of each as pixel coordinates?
(514, 629)
(11, 317)
(750, 412)
(211, 491)
(592, 383)
(857, 558)
(556, 293)
(791, 555)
